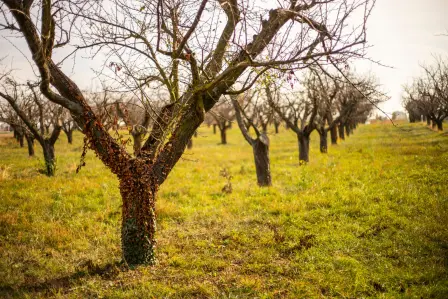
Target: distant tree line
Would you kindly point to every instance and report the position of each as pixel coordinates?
(426, 98)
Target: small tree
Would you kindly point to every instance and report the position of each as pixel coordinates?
(250, 115)
(21, 104)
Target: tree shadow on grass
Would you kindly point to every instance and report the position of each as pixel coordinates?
(65, 283)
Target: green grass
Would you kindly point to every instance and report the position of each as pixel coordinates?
(367, 220)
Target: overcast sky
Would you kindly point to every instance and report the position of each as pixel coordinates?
(402, 34)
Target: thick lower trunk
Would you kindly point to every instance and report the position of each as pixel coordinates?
(304, 148)
(347, 129)
(138, 217)
(262, 164)
(439, 125)
(214, 129)
(323, 141)
(334, 135)
(223, 136)
(433, 124)
(30, 143)
(69, 136)
(341, 131)
(190, 143)
(50, 160)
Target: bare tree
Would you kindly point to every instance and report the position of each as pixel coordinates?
(298, 110)
(177, 46)
(16, 97)
(428, 95)
(249, 115)
(223, 114)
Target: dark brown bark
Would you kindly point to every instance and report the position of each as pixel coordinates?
(304, 148)
(138, 192)
(334, 135)
(137, 137)
(439, 125)
(20, 137)
(223, 132)
(347, 129)
(323, 141)
(30, 143)
(69, 134)
(341, 132)
(260, 148)
(276, 126)
(50, 160)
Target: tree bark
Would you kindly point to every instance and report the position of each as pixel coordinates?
(428, 121)
(262, 163)
(69, 134)
(214, 129)
(347, 129)
(439, 125)
(138, 193)
(21, 137)
(276, 125)
(223, 135)
(30, 143)
(304, 147)
(323, 141)
(190, 143)
(50, 160)
(341, 131)
(334, 135)
(137, 137)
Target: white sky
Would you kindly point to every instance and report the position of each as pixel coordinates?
(402, 34)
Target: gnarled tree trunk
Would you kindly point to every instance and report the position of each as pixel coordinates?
(323, 141)
(138, 191)
(223, 135)
(50, 160)
(334, 135)
(69, 134)
(304, 147)
(30, 143)
(260, 148)
(341, 131)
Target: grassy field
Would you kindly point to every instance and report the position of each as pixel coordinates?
(367, 220)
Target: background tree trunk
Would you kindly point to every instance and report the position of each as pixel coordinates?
(323, 141)
(190, 143)
(223, 135)
(30, 143)
(276, 126)
(428, 120)
(137, 138)
(341, 131)
(21, 136)
(347, 130)
(334, 135)
(304, 147)
(262, 163)
(439, 125)
(138, 215)
(50, 160)
(214, 129)
(69, 134)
